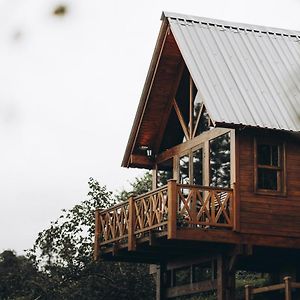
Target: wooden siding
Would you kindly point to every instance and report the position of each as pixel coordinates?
(266, 214)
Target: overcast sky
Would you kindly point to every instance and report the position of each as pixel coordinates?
(69, 89)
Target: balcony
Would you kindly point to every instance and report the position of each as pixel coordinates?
(173, 212)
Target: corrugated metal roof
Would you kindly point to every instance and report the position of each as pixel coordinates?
(246, 74)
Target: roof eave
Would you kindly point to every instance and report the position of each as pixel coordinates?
(145, 93)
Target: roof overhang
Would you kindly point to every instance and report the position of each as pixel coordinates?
(155, 99)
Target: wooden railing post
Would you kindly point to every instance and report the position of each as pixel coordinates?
(212, 206)
(236, 207)
(172, 209)
(288, 288)
(97, 235)
(131, 225)
(248, 292)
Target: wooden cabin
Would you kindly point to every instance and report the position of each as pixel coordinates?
(218, 124)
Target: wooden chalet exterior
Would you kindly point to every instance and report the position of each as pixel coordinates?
(218, 123)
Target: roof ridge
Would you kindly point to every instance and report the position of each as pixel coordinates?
(230, 24)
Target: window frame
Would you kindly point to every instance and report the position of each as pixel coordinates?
(189, 153)
(200, 141)
(281, 169)
(230, 160)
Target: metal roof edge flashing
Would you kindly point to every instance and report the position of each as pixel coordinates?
(231, 24)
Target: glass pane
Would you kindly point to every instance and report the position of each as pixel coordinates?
(173, 134)
(203, 272)
(196, 105)
(164, 172)
(182, 96)
(198, 167)
(184, 169)
(267, 179)
(264, 154)
(275, 155)
(220, 161)
(182, 276)
(204, 123)
(268, 155)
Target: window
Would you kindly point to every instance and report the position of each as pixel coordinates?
(184, 169)
(188, 116)
(198, 166)
(191, 167)
(269, 167)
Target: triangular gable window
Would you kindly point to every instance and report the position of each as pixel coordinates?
(188, 117)
(204, 122)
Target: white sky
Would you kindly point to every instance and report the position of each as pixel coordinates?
(69, 89)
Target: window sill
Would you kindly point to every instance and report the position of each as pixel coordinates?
(271, 193)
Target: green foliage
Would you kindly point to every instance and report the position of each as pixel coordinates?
(68, 241)
(64, 253)
(19, 278)
(251, 278)
(139, 186)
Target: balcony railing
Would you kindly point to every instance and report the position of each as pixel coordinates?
(166, 210)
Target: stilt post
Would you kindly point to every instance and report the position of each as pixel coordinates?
(160, 291)
(220, 278)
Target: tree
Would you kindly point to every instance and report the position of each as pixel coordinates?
(139, 186)
(64, 252)
(19, 278)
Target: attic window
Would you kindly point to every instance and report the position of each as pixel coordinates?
(188, 116)
(190, 109)
(269, 176)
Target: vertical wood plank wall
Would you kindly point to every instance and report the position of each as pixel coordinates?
(265, 214)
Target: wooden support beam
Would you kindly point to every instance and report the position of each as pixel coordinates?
(225, 280)
(172, 209)
(169, 107)
(160, 290)
(187, 261)
(220, 278)
(141, 161)
(131, 225)
(231, 237)
(202, 138)
(232, 262)
(235, 145)
(181, 120)
(270, 288)
(191, 106)
(192, 288)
